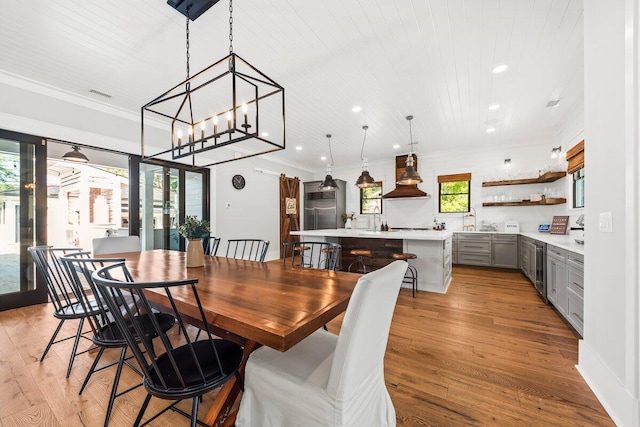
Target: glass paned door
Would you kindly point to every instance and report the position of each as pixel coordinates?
(20, 218)
(159, 206)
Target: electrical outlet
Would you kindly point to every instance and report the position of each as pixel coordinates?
(606, 222)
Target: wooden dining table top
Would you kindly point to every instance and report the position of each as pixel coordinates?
(270, 303)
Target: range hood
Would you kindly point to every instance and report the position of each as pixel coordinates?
(405, 191)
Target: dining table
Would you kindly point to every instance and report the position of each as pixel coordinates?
(252, 303)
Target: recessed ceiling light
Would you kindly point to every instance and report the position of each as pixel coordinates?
(299, 148)
(491, 130)
(396, 146)
(494, 107)
(323, 158)
(356, 109)
(265, 134)
(500, 68)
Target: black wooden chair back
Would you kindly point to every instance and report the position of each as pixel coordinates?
(67, 301)
(249, 249)
(176, 368)
(211, 244)
(106, 333)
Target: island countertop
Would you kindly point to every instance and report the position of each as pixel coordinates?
(438, 235)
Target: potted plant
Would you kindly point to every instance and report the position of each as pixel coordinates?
(194, 230)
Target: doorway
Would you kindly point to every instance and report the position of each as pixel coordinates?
(22, 217)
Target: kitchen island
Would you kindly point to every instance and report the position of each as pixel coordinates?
(432, 248)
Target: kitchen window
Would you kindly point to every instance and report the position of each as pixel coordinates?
(454, 193)
(371, 198)
(578, 189)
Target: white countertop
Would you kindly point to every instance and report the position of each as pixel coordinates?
(563, 241)
(399, 234)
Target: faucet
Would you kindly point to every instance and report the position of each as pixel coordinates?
(375, 225)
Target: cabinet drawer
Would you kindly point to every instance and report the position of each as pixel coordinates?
(475, 247)
(473, 236)
(557, 253)
(575, 311)
(504, 237)
(474, 259)
(454, 257)
(454, 246)
(575, 260)
(575, 281)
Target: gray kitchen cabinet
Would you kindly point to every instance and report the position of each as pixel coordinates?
(504, 250)
(528, 258)
(557, 278)
(575, 291)
(474, 249)
(565, 284)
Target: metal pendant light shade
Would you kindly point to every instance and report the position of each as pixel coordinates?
(410, 176)
(75, 156)
(365, 180)
(329, 183)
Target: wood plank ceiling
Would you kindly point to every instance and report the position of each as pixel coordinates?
(429, 58)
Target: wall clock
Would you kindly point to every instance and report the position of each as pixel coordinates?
(238, 182)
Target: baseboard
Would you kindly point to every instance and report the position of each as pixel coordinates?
(608, 388)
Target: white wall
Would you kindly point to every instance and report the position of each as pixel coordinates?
(484, 165)
(609, 356)
(253, 212)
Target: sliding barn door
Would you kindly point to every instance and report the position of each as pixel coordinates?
(289, 210)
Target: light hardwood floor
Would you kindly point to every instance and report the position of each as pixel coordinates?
(488, 352)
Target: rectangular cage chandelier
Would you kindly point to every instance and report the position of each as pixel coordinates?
(227, 111)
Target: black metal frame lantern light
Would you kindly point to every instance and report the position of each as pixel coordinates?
(227, 111)
(410, 176)
(329, 183)
(365, 180)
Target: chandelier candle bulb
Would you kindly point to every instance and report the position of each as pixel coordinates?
(203, 126)
(215, 126)
(179, 138)
(244, 111)
(229, 121)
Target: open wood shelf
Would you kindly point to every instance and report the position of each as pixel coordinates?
(546, 177)
(543, 202)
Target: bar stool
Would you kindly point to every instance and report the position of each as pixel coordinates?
(360, 261)
(411, 276)
(332, 257)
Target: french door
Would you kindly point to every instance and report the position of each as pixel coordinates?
(23, 207)
(168, 193)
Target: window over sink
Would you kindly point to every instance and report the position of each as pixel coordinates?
(454, 193)
(371, 198)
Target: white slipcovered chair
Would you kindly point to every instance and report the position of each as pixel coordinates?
(116, 245)
(328, 380)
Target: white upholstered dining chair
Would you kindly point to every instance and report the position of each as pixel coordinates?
(116, 244)
(329, 380)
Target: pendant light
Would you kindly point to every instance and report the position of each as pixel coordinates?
(410, 176)
(329, 183)
(75, 155)
(365, 180)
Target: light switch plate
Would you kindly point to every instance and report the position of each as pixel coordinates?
(606, 222)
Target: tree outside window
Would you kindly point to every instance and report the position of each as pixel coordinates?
(370, 198)
(454, 193)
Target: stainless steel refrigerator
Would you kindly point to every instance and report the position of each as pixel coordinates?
(323, 209)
